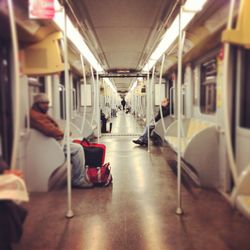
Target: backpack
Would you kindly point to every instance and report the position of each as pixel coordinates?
(99, 175)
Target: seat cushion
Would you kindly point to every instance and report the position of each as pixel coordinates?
(173, 141)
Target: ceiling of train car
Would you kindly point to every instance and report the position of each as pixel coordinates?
(122, 34)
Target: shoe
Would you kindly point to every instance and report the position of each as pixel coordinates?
(139, 142)
(83, 184)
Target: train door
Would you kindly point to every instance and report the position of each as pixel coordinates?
(242, 114)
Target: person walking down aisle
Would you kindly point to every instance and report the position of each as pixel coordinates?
(41, 121)
(143, 139)
(123, 103)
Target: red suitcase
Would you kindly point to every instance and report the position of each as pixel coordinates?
(94, 153)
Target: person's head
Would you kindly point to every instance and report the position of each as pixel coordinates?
(41, 101)
(165, 102)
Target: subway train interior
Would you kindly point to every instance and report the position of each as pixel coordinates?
(164, 85)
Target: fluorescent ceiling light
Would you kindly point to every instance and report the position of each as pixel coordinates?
(74, 36)
(133, 86)
(194, 5)
(107, 80)
(173, 32)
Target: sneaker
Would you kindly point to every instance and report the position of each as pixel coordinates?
(139, 142)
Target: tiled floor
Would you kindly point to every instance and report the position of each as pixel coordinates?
(137, 211)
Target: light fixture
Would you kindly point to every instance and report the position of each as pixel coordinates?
(133, 86)
(194, 5)
(107, 80)
(74, 36)
(189, 10)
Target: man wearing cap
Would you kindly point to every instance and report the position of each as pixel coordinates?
(41, 121)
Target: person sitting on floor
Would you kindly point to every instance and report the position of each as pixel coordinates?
(143, 139)
(41, 121)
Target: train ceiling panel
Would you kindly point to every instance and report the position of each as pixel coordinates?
(124, 33)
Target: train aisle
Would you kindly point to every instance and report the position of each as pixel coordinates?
(125, 124)
(137, 211)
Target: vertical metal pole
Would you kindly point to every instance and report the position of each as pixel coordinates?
(160, 81)
(56, 96)
(97, 107)
(151, 94)
(85, 89)
(16, 110)
(69, 213)
(94, 95)
(232, 163)
(179, 209)
(148, 107)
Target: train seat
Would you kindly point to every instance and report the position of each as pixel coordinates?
(44, 157)
(241, 193)
(76, 126)
(199, 148)
(191, 127)
(87, 131)
(159, 128)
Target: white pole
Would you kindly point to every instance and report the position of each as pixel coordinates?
(179, 210)
(97, 107)
(231, 159)
(85, 89)
(148, 107)
(69, 213)
(94, 95)
(160, 80)
(16, 110)
(151, 94)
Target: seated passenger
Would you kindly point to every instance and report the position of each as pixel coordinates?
(143, 139)
(42, 122)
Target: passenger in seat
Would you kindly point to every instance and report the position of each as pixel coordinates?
(41, 121)
(143, 139)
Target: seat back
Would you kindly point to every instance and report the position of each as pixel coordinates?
(44, 156)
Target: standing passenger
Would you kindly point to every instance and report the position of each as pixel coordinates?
(123, 102)
(42, 122)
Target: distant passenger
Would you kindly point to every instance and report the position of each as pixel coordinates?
(143, 139)
(103, 123)
(123, 103)
(42, 122)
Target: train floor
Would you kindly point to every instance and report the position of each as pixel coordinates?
(137, 211)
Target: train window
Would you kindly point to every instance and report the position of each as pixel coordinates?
(245, 90)
(208, 74)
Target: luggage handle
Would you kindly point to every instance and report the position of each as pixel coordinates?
(85, 140)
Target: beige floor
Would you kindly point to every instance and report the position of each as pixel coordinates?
(137, 211)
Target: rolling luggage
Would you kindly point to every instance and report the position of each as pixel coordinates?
(94, 153)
